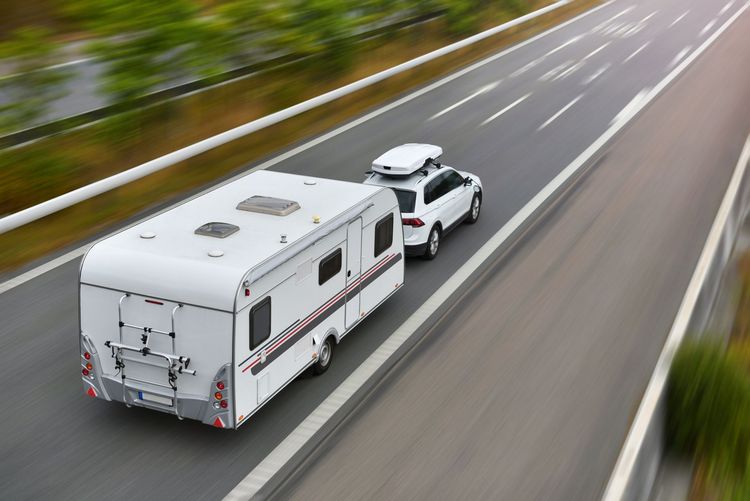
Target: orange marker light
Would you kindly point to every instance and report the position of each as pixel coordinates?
(218, 395)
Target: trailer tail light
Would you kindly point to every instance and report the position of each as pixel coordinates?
(87, 355)
(224, 404)
(85, 371)
(91, 392)
(89, 366)
(220, 385)
(414, 222)
(218, 395)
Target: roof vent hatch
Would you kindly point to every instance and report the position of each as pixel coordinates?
(268, 205)
(217, 230)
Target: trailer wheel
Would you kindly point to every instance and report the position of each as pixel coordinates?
(325, 355)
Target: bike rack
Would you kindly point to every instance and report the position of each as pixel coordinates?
(175, 364)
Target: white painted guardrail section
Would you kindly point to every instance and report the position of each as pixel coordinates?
(640, 457)
(61, 202)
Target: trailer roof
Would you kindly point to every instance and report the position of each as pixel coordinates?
(164, 257)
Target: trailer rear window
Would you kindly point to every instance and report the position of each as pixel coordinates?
(260, 322)
(383, 234)
(329, 266)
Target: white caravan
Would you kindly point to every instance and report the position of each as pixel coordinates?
(209, 309)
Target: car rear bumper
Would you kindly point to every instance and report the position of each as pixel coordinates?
(415, 250)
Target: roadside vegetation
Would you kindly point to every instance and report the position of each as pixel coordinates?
(235, 32)
(709, 406)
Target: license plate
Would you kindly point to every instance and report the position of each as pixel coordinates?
(148, 397)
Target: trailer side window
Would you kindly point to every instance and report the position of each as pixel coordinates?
(383, 234)
(329, 266)
(260, 322)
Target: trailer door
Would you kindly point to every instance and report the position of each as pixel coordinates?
(353, 270)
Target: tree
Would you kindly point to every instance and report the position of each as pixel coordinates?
(34, 82)
(146, 44)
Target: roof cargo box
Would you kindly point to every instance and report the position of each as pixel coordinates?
(406, 159)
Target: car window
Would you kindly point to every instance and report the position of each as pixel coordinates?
(406, 200)
(454, 180)
(438, 187)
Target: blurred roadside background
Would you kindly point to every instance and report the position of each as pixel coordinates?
(89, 88)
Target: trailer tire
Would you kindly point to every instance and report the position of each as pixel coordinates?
(325, 356)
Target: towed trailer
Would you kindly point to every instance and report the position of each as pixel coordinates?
(208, 310)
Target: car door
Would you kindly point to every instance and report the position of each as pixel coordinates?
(462, 195)
(439, 198)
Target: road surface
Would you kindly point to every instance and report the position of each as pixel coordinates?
(565, 88)
(527, 387)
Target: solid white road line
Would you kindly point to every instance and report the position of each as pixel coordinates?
(679, 19)
(569, 71)
(465, 100)
(632, 105)
(557, 115)
(507, 108)
(726, 7)
(623, 470)
(306, 430)
(44, 268)
(596, 74)
(596, 51)
(707, 27)
(679, 57)
(635, 53)
(31, 274)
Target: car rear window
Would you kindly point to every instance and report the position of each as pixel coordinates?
(406, 200)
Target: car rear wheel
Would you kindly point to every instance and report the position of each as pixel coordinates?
(476, 207)
(433, 243)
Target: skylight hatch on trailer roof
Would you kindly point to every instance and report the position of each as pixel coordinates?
(217, 230)
(268, 205)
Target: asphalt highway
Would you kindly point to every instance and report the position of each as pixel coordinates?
(580, 308)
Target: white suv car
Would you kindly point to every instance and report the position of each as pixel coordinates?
(433, 198)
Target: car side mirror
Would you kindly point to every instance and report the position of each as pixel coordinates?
(468, 181)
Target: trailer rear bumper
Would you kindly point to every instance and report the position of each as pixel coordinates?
(132, 393)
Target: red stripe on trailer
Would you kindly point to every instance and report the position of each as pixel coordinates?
(322, 309)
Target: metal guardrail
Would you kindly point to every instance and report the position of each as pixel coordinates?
(61, 202)
(638, 464)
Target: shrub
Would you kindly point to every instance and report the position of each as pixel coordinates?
(708, 410)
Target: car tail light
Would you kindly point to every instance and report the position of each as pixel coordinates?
(220, 385)
(412, 221)
(224, 404)
(85, 371)
(218, 395)
(87, 355)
